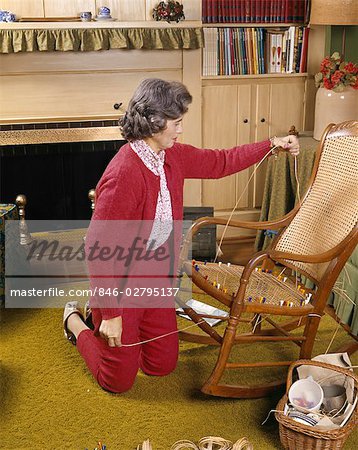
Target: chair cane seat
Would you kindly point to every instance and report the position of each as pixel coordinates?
(264, 291)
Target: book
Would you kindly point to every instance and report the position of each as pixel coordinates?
(291, 49)
(203, 308)
(247, 11)
(279, 38)
(299, 49)
(303, 60)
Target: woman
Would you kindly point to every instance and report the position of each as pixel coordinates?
(144, 183)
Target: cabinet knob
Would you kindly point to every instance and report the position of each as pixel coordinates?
(117, 105)
(263, 120)
(246, 120)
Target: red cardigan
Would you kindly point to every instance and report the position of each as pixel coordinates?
(129, 191)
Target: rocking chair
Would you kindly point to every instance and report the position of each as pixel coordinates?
(315, 241)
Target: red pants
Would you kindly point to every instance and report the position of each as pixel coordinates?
(115, 368)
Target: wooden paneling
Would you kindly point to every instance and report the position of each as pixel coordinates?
(125, 10)
(56, 96)
(143, 60)
(286, 106)
(309, 107)
(219, 131)
(192, 9)
(43, 83)
(68, 8)
(28, 8)
(261, 131)
(192, 120)
(244, 118)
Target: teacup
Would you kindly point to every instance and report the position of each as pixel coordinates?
(11, 17)
(306, 395)
(7, 16)
(86, 16)
(104, 11)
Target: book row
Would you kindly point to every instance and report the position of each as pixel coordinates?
(255, 11)
(254, 50)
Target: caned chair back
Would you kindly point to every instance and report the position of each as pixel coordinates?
(329, 211)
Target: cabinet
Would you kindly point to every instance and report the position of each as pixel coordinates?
(241, 110)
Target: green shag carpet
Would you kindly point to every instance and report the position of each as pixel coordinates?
(49, 400)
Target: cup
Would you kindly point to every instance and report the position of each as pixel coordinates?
(334, 398)
(306, 395)
(104, 11)
(7, 16)
(86, 16)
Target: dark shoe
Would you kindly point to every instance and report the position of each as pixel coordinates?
(70, 308)
(87, 314)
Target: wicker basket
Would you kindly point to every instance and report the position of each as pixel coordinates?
(296, 436)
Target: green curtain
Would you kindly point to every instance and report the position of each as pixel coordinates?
(86, 40)
(280, 192)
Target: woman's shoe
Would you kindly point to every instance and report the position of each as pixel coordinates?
(70, 308)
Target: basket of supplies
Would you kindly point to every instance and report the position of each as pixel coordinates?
(297, 435)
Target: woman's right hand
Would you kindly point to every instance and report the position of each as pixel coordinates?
(111, 330)
(289, 143)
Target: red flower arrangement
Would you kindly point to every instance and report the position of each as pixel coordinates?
(336, 74)
(171, 11)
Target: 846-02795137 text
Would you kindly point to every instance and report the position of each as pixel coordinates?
(97, 291)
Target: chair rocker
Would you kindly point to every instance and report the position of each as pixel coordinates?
(315, 240)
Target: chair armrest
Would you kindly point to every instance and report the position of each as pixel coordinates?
(316, 258)
(271, 224)
(204, 221)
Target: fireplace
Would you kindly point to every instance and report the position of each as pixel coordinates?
(55, 165)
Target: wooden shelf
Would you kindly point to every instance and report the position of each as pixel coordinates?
(96, 24)
(245, 77)
(252, 25)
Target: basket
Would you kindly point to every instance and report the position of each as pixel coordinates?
(296, 436)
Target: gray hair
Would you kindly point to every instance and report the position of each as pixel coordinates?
(153, 103)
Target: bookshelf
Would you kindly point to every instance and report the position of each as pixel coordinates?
(254, 50)
(239, 107)
(255, 11)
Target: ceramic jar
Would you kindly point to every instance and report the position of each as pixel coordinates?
(334, 107)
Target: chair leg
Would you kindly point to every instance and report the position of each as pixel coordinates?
(228, 342)
(310, 332)
(212, 386)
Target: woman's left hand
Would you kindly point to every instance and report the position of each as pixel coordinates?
(290, 143)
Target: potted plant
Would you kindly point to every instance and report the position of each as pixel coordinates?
(337, 96)
(171, 11)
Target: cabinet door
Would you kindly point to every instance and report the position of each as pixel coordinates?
(286, 106)
(219, 112)
(261, 132)
(244, 136)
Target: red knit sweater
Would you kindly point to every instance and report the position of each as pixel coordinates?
(129, 191)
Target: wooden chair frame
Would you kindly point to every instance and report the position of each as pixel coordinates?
(307, 316)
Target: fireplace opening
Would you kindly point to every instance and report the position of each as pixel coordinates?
(56, 176)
